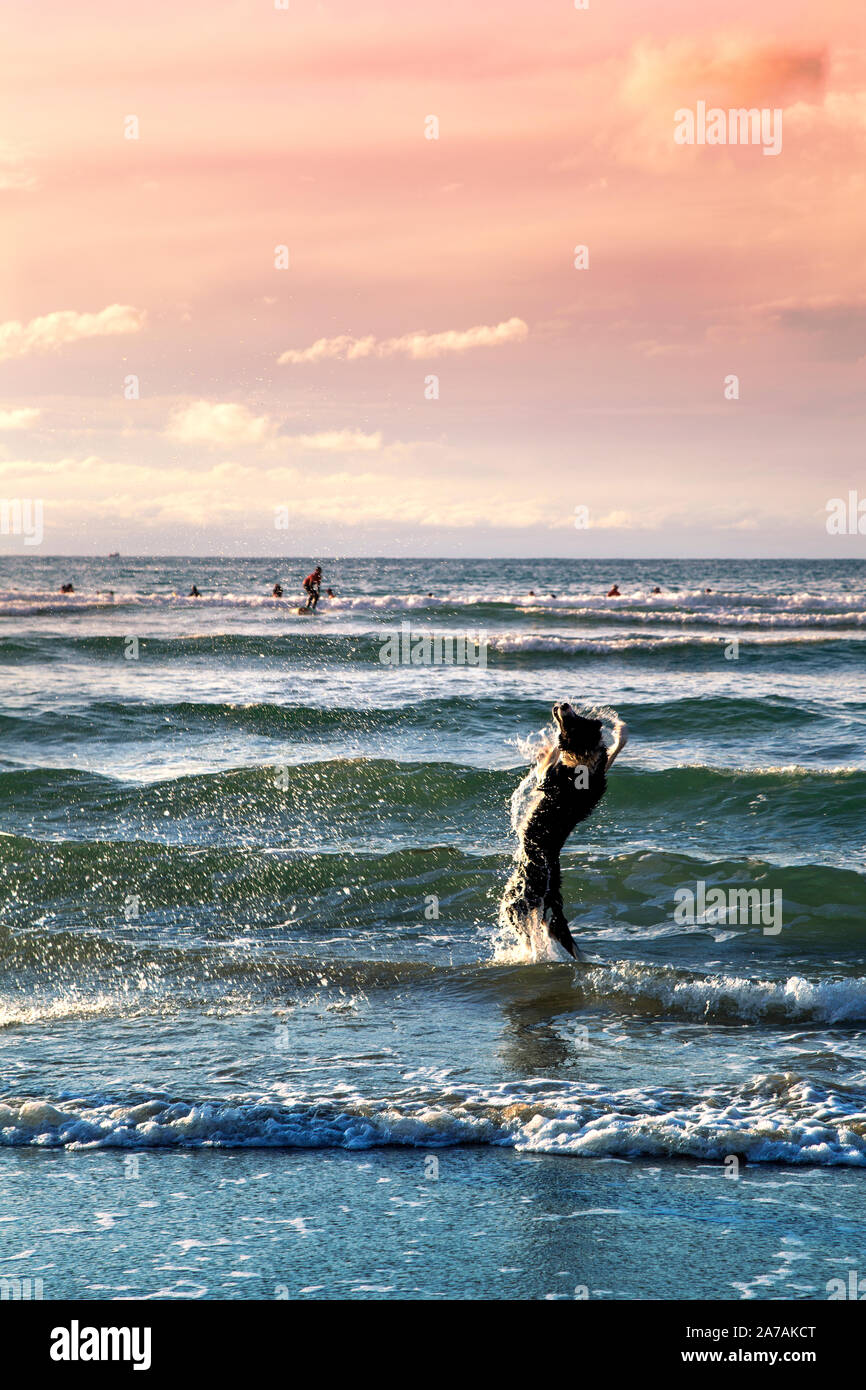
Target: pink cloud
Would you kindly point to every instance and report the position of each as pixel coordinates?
(418, 344)
(56, 330)
(724, 69)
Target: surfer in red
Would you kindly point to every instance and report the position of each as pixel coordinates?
(312, 587)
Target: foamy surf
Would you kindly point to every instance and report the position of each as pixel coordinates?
(736, 998)
(775, 1118)
(678, 607)
(605, 645)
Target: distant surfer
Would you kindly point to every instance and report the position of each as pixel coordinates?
(193, 593)
(67, 588)
(277, 591)
(614, 592)
(312, 588)
(330, 594)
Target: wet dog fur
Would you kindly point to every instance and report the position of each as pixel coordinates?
(571, 779)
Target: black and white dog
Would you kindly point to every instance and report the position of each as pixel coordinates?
(568, 781)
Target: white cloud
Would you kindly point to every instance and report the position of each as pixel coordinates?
(344, 346)
(390, 491)
(18, 419)
(338, 441)
(223, 424)
(92, 488)
(627, 521)
(227, 425)
(417, 345)
(55, 330)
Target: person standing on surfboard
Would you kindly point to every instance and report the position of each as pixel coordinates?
(312, 588)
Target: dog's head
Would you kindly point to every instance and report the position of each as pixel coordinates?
(577, 735)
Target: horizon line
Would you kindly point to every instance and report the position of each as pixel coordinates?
(575, 559)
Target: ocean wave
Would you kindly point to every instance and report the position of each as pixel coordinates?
(195, 901)
(776, 1118)
(677, 606)
(623, 644)
(463, 716)
(230, 965)
(172, 874)
(358, 803)
(665, 991)
(313, 647)
(370, 772)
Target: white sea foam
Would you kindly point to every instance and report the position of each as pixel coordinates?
(681, 607)
(601, 644)
(669, 991)
(779, 1118)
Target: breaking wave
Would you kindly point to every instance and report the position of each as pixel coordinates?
(775, 1118)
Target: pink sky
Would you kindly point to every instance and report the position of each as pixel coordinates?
(558, 388)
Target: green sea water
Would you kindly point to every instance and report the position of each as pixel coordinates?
(260, 1035)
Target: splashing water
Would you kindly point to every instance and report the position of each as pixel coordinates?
(534, 947)
(533, 944)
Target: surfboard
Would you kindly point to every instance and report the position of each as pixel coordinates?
(305, 612)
